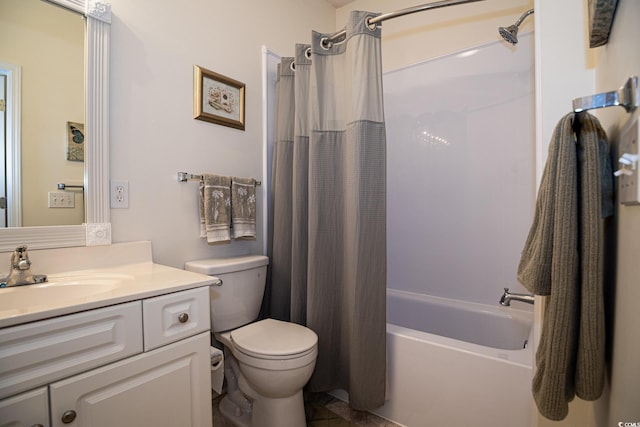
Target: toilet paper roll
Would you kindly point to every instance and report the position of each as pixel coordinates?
(217, 369)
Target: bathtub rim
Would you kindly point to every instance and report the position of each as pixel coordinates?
(520, 357)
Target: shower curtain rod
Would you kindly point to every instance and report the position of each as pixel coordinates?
(390, 15)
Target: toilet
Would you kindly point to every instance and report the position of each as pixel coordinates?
(267, 362)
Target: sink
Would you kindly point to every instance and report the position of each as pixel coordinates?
(60, 289)
(99, 278)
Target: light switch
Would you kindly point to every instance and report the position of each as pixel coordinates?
(61, 199)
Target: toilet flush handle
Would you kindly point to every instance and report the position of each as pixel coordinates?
(217, 282)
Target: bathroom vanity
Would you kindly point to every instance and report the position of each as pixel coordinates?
(120, 342)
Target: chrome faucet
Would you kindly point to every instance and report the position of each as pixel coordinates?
(20, 270)
(507, 297)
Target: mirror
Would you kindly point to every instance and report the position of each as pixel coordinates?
(97, 228)
(45, 43)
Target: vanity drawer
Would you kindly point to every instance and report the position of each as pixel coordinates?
(172, 317)
(37, 353)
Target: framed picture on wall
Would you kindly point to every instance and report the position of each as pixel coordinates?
(75, 142)
(218, 99)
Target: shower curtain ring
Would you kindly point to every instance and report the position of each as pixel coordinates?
(325, 43)
(371, 26)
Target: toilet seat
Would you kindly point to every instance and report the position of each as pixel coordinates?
(274, 339)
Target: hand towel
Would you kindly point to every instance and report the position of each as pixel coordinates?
(215, 201)
(562, 259)
(243, 208)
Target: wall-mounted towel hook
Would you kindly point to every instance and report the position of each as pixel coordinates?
(626, 96)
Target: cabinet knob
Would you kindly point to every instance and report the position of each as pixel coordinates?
(68, 416)
(183, 317)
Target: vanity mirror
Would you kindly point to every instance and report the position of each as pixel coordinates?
(97, 228)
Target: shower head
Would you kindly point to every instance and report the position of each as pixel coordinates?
(510, 33)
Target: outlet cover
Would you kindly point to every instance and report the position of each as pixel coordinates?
(119, 194)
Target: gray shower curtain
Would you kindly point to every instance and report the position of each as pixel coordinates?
(328, 268)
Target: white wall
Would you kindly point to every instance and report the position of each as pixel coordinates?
(154, 46)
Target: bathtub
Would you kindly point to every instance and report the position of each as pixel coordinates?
(455, 363)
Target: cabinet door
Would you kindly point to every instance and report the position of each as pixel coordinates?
(167, 387)
(25, 410)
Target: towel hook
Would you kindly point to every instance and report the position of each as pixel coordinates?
(626, 96)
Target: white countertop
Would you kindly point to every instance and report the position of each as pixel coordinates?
(71, 291)
(113, 285)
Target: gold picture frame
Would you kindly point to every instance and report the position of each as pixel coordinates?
(218, 99)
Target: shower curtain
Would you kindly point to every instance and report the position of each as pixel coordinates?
(328, 268)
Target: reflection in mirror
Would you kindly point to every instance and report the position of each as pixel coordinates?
(46, 42)
(96, 230)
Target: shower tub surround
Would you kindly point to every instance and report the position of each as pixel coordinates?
(461, 190)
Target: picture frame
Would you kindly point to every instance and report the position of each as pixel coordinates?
(601, 13)
(218, 99)
(75, 142)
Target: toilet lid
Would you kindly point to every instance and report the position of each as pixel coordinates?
(272, 337)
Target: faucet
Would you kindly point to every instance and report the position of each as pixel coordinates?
(20, 270)
(507, 297)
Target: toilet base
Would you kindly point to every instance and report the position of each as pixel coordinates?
(288, 411)
(282, 412)
(229, 411)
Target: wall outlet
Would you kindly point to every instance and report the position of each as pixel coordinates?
(61, 199)
(119, 194)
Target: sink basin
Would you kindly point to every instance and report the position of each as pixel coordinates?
(98, 278)
(60, 289)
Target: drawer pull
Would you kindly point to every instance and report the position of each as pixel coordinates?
(68, 416)
(37, 425)
(217, 282)
(183, 317)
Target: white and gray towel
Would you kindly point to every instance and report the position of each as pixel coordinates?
(215, 208)
(243, 208)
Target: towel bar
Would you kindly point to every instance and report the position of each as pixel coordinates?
(626, 96)
(63, 186)
(184, 176)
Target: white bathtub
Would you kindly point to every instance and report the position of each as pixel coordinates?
(454, 363)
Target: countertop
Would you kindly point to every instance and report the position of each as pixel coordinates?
(80, 290)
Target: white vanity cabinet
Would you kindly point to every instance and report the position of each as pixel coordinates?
(30, 409)
(140, 363)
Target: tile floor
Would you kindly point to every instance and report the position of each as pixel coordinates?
(322, 411)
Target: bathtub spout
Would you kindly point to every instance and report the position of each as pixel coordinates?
(507, 297)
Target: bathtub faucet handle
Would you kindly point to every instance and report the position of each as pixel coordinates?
(507, 297)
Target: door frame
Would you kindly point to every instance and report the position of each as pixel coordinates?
(12, 143)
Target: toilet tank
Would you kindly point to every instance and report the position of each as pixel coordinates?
(236, 302)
